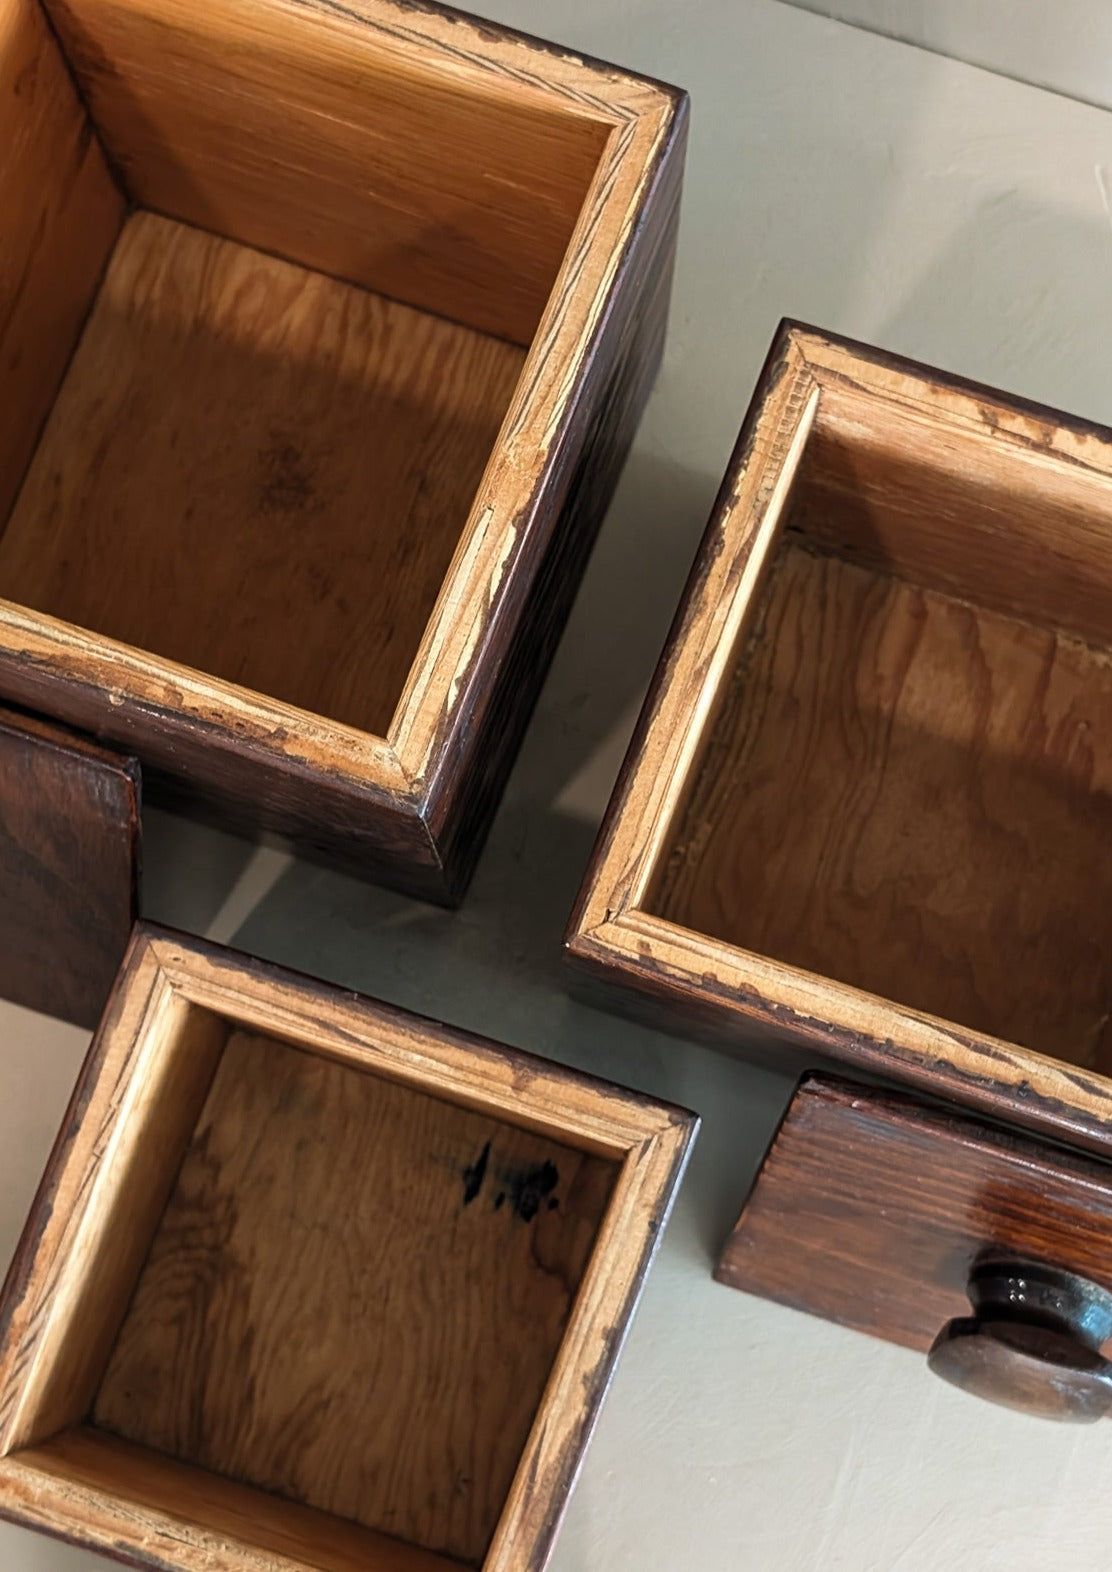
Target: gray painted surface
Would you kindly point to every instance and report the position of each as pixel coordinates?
(1065, 45)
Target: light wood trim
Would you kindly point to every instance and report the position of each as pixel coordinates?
(500, 529)
(273, 728)
(121, 1493)
(715, 618)
(585, 1360)
(402, 1047)
(874, 1028)
(152, 1073)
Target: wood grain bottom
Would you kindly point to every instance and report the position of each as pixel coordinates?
(257, 471)
(354, 1297)
(912, 795)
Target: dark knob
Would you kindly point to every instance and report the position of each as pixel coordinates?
(1033, 1342)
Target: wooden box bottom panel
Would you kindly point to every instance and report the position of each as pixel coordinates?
(69, 867)
(872, 1210)
(257, 471)
(286, 1288)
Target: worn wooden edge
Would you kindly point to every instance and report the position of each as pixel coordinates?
(456, 1066)
(55, 1489)
(513, 516)
(649, 1140)
(103, 678)
(127, 695)
(585, 1366)
(746, 1003)
(710, 616)
(568, 507)
(735, 998)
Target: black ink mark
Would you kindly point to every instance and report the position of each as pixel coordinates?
(473, 1177)
(529, 1189)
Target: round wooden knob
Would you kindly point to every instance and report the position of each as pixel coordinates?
(1033, 1342)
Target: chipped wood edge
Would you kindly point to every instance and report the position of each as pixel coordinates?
(611, 936)
(165, 974)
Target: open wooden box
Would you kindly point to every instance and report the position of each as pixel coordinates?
(313, 1283)
(868, 810)
(323, 334)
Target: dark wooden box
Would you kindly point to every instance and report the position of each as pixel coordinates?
(324, 331)
(69, 867)
(867, 813)
(312, 1283)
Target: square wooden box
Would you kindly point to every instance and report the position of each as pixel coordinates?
(868, 809)
(314, 1283)
(69, 867)
(324, 331)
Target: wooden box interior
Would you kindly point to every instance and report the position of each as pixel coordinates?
(272, 283)
(907, 783)
(328, 1309)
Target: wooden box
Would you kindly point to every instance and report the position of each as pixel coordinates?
(868, 809)
(69, 867)
(324, 331)
(313, 1283)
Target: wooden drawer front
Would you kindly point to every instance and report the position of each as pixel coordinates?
(69, 865)
(311, 1283)
(872, 1210)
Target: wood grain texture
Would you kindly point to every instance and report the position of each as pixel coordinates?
(69, 867)
(59, 216)
(311, 131)
(256, 471)
(871, 1209)
(865, 809)
(351, 1293)
(355, 1296)
(179, 1512)
(912, 795)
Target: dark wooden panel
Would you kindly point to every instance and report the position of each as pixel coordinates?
(69, 864)
(870, 1209)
